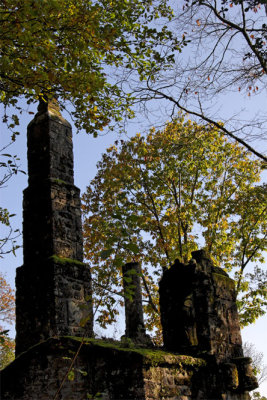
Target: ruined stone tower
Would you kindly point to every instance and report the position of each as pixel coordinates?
(53, 286)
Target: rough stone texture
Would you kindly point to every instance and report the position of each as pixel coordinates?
(51, 206)
(198, 309)
(53, 286)
(107, 371)
(199, 317)
(52, 221)
(134, 319)
(56, 300)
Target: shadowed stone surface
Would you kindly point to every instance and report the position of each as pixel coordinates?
(199, 317)
(134, 318)
(51, 206)
(53, 286)
(110, 372)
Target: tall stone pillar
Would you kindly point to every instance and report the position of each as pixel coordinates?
(53, 287)
(134, 318)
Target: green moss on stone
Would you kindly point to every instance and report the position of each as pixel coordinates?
(227, 281)
(151, 356)
(59, 181)
(219, 271)
(65, 260)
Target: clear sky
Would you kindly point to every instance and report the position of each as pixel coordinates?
(87, 151)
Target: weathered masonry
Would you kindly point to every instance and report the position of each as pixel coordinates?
(199, 318)
(134, 318)
(53, 283)
(202, 358)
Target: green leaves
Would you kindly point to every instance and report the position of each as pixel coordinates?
(160, 197)
(106, 253)
(133, 247)
(82, 46)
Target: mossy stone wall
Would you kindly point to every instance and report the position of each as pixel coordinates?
(109, 371)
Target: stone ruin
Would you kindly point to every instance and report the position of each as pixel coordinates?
(202, 357)
(134, 318)
(199, 317)
(53, 283)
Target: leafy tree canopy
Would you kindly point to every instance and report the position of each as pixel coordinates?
(157, 198)
(70, 48)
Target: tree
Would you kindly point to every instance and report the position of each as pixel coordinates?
(7, 304)
(159, 197)
(226, 55)
(257, 396)
(71, 48)
(259, 369)
(7, 351)
(7, 316)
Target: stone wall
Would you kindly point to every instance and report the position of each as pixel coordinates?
(54, 306)
(52, 221)
(108, 371)
(50, 149)
(57, 301)
(198, 309)
(199, 317)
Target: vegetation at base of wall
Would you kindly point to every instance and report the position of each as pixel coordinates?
(7, 350)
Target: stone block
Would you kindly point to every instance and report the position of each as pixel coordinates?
(198, 309)
(50, 305)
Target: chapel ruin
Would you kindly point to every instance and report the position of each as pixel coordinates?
(56, 354)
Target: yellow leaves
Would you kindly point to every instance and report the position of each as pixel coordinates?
(7, 301)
